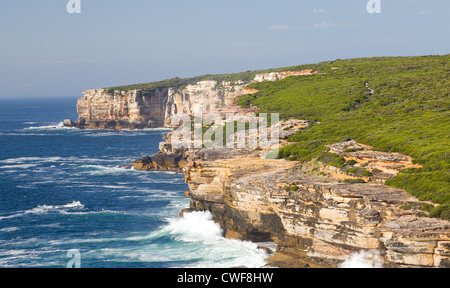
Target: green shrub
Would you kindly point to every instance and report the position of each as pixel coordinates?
(353, 150)
(427, 207)
(332, 159)
(442, 210)
(406, 207)
(294, 188)
(354, 181)
(445, 214)
(407, 114)
(366, 173)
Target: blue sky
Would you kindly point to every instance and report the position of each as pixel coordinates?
(47, 52)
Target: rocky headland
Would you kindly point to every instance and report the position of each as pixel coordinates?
(315, 215)
(139, 109)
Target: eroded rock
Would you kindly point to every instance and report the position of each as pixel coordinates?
(321, 223)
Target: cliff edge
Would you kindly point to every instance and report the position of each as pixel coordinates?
(156, 107)
(315, 220)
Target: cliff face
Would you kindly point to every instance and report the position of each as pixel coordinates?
(205, 96)
(99, 109)
(320, 222)
(314, 218)
(136, 109)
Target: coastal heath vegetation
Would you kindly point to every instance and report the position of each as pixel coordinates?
(395, 104)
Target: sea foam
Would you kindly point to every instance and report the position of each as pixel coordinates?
(363, 259)
(212, 249)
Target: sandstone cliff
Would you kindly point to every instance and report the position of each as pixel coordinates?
(138, 109)
(99, 109)
(321, 221)
(315, 218)
(306, 209)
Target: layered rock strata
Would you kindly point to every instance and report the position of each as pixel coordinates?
(138, 109)
(382, 165)
(315, 219)
(134, 109)
(321, 221)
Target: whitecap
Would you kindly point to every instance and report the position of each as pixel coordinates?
(158, 129)
(44, 209)
(103, 170)
(51, 126)
(363, 259)
(10, 229)
(94, 212)
(47, 208)
(25, 134)
(34, 258)
(9, 171)
(21, 166)
(215, 251)
(101, 134)
(31, 159)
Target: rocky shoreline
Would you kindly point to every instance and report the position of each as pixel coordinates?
(315, 219)
(316, 214)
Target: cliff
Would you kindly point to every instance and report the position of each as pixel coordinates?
(314, 217)
(155, 108)
(320, 209)
(99, 109)
(315, 220)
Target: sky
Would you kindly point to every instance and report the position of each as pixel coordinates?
(45, 51)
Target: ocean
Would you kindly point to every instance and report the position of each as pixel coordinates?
(61, 190)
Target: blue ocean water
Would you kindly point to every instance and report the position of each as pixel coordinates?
(61, 190)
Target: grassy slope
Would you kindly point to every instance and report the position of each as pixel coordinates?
(409, 113)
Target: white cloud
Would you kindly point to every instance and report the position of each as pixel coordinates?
(318, 11)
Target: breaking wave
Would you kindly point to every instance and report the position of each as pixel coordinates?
(198, 228)
(59, 125)
(363, 259)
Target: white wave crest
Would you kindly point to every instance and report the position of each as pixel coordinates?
(21, 166)
(56, 126)
(10, 229)
(104, 170)
(47, 208)
(364, 259)
(44, 209)
(31, 159)
(216, 251)
(195, 227)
